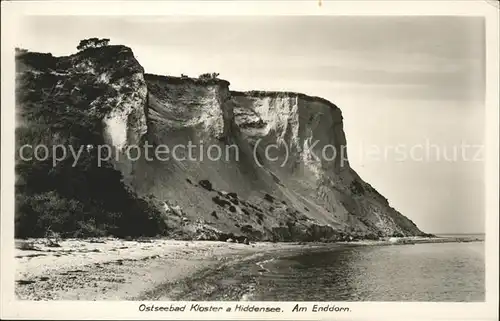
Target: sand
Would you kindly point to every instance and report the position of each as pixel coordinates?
(113, 269)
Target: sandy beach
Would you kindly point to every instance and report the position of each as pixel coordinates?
(113, 269)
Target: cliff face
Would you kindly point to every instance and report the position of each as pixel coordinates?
(262, 165)
(315, 165)
(101, 85)
(67, 108)
(287, 145)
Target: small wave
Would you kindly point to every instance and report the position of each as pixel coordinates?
(260, 264)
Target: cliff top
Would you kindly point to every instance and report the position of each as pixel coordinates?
(49, 61)
(277, 94)
(180, 80)
(112, 57)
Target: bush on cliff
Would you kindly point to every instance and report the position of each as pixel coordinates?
(357, 188)
(208, 76)
(92, 43)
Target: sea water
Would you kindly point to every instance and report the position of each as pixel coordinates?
(422, 272)
(432, 272)
(436, 272)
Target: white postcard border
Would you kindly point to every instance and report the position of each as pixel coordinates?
(56, 310)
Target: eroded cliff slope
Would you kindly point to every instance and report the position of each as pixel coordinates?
(256, 165)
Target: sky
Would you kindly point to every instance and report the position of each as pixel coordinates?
(409, 84)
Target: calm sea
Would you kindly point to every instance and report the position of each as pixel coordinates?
(421, 272)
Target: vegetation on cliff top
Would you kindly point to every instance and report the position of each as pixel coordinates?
(183, 79)
(92, 43)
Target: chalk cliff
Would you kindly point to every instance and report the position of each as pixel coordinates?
(282, 173)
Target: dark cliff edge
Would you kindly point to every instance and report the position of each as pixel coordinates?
(101, 96)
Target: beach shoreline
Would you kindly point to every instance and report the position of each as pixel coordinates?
(115, 269)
